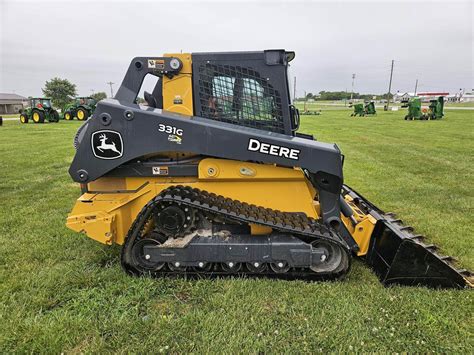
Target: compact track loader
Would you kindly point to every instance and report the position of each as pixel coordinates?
(212, 178)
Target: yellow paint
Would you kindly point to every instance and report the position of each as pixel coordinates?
(362, 231)
(178, 91)
(22, 119)
(107, 217)
(36, 117)
(80, 115)
(67, 116)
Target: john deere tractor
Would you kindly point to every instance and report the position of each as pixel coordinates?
(40, 109)
(82, 108)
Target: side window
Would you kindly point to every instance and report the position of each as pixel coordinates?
(238, 95)
(220, 103)
(255, 103)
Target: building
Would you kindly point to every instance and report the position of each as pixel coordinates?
(399, 96)
(467, 97)
(427, 96)
(11, 103)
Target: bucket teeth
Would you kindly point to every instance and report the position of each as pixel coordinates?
(418, 238)
(431, 247)
(399, 256)
(464, 272)
(447, 258)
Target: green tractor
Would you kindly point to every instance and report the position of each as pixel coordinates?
(82, 109)
(40, 109)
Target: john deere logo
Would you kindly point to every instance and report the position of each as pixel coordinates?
(107, 144)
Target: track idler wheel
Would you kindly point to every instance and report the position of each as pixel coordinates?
(333, 258)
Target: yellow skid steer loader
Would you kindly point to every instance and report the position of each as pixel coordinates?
(211, 178)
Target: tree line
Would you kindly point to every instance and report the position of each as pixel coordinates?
(62, 92)
(341, 95)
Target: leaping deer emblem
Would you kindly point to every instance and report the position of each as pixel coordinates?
(106, 146)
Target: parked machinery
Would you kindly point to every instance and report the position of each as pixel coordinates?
(40, 110)
(369, 108)
(435, 110)
(366, 109)
(212, 177)
(358, 110)
(82, 109)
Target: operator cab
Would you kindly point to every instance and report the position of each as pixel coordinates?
(243, 88)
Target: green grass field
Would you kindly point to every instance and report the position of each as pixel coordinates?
(62, 292)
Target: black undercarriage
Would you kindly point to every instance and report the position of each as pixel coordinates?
(190, 232)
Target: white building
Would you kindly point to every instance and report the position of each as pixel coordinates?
(399, 96)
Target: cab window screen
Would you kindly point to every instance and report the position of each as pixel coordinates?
(239, 95)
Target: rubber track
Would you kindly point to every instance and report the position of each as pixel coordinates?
(297, 224)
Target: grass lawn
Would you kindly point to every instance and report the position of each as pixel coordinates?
(460, 104)
(62, 292)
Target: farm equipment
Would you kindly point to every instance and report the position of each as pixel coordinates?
(414, 109)
(211, 178)
(82, 109)
(358, 110)
(369, 108)
(364, 109)
(40, 109)
(435, 110)
(311, 113)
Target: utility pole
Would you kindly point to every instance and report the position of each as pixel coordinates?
(352, 93)
(416, 86)
(305, 98)
(294, 88)
(389, 86)
(111, 89)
